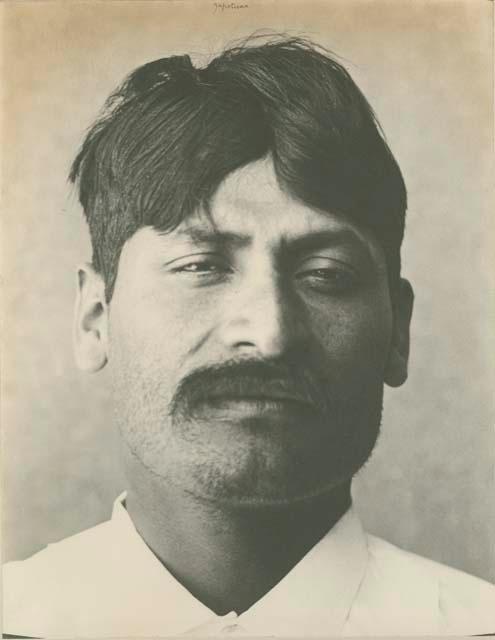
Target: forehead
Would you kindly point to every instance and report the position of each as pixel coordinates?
(250, 208)
(252, 196)
(250, 202)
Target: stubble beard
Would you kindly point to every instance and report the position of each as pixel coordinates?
(255, 463)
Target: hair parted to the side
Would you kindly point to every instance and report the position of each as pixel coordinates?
(171, 133)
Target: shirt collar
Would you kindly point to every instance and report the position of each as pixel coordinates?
(317, 593)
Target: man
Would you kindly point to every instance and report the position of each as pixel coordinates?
(245, 295)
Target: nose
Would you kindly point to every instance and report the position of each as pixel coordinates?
(262, 317)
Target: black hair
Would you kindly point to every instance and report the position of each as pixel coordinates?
(172, 132)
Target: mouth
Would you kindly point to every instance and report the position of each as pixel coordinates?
(251, 404)
(259, 396)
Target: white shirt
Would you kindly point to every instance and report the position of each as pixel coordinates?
(105, 582)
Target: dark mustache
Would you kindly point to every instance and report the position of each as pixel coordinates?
(278, 378)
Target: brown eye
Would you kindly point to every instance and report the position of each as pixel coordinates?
(204, 269)
(328, 280)
(199, 267)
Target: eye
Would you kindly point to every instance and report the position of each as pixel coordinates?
(329, 277)
(202, 267)
(199, 266)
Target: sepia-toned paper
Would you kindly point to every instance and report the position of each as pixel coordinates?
(427, 69)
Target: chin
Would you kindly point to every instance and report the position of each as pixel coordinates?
(272, 499)
(260, 479)
(256, 465)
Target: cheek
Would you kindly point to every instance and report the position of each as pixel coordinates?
(357, 333)
(156, 331)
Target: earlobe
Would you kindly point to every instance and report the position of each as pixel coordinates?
(90, 320)
(397, 364)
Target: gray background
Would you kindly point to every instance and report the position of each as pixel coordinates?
(426, 68)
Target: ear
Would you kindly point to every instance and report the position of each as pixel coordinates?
(396, 368)
(90, 320)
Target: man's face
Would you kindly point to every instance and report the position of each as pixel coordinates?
(248, 349)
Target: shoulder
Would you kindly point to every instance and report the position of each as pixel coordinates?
(61, 577)
(449, 600)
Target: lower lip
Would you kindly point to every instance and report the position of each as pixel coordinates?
(244, 407)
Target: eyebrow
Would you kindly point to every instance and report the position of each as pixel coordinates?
(325, 239)
(207, 235)
(314, 240)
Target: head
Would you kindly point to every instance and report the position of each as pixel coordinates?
(245, 292)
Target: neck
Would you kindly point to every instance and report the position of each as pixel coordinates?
(227, 557)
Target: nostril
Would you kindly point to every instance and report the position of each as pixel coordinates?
(245, 345)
